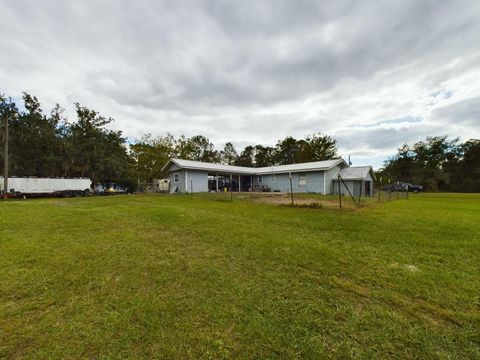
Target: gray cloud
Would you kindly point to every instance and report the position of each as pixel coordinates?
(465, 112)
(254, 71)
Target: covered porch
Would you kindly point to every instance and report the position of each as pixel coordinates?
(225, 181)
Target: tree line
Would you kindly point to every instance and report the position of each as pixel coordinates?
(49, 145)
(149, 154)
(438, 163)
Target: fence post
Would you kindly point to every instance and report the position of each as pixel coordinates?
(346, 187)
(339, 192)
(390, 195)
(291, 186)
(360, 193)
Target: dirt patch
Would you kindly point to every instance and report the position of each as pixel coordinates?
(304, 201)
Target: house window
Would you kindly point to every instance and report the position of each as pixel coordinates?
(302, 179)
(272, 178)
(175, 178)
(260, 179)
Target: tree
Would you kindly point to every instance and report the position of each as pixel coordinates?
(150, 155)
(433, 163)
(97, 152)
(264, 156)
(197, 148)
(8, 111)
(35, 144)
(229, 155)
(287, 151)
(247, 157)
(203, 149)
(317, 147)
(470, 167)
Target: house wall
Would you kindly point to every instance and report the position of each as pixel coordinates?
(343, 187)
(181, 181)
(195, 178)
(354, 186)
(197, 181)
(314, 182)
(330, 175)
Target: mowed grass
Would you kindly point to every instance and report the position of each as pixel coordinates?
(193, 277)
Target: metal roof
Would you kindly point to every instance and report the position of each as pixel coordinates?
(355, 173)
(309, 166)
(221, 168)
(200, 165)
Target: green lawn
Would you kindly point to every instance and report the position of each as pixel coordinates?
(194, 277)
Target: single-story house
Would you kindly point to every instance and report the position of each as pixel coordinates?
(312, 177)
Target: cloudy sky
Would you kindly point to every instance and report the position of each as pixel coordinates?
(374, 74)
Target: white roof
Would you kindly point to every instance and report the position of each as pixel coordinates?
(309, 166)
(355, 172)
(199, 165)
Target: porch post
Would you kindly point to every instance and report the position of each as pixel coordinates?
(216, 181)
(239, 183)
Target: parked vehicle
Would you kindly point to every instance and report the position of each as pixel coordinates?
(38, 187)
(110, 189)
(415, 188)
(403, 186)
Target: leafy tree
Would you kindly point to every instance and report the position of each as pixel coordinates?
(8, 111)
(197, 148)
(203, 149)
(317, 147)
(229, 155)
(264, 156)
(435, 163)
(247, 157)
(35, 146)
(287, 151)
(96, 151)
(470, 167)
(149, 155)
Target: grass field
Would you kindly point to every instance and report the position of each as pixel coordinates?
(196, 277)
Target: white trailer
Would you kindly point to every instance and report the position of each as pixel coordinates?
(32, 186)
(161, 185)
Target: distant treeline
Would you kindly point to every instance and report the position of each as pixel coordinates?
(49, 145)
(438, 163)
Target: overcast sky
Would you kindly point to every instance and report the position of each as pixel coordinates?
(373, 74)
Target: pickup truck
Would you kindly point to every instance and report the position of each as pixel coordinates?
(403, 186)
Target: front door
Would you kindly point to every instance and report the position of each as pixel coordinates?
(367, 188)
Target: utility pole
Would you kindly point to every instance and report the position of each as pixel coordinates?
(5, 156)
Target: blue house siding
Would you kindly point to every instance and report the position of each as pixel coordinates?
(307, 178)
(194, 178)
(197, 181)
(329, 180)
(180, 185)
(314, 182)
